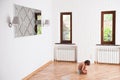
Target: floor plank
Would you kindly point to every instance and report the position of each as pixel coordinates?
(68, 71)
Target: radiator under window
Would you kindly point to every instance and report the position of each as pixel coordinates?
(65, 53)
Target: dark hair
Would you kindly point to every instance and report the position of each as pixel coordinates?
(87, 62)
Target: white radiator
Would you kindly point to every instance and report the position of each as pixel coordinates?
(65, 53)
(107, 54)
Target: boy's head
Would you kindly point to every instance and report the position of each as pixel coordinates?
(87, 62)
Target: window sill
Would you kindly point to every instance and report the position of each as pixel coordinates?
(106, 45)
(66, 43)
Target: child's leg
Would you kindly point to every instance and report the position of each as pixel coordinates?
(84, 72)
(79, 71)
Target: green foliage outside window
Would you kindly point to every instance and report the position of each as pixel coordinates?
(39, 29)
(107, 34)
(108, 27)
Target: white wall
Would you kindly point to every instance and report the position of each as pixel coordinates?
(86, 23)
(21, 56)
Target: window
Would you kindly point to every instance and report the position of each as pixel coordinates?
(66, 27)
(108, 27)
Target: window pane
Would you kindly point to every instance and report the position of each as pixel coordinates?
(66, 27)
(107, 27)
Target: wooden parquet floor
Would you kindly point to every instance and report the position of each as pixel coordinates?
(68, 71)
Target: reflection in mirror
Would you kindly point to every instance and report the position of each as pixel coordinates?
(38, 23)
(66, 27)
(108, 27)
(30, 21)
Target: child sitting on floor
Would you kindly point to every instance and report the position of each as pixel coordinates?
(82, 67)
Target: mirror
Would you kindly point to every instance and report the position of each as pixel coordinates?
(108, 27)
(66, 27)
(29, 21)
